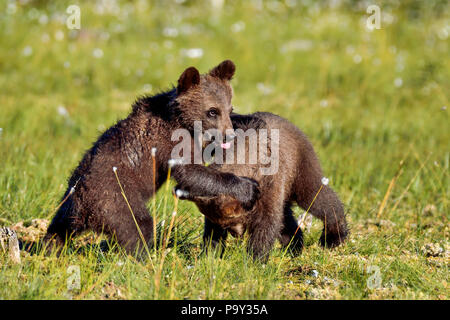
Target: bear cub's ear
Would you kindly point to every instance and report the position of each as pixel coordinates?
(190, 77)
(224, 71)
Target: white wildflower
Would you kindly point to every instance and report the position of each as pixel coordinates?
(324, 103)
(139, 73)
(181, 193)
(27, 51)
(59, 35)
(45, 38)
(114, 169)
(388, 18)
(170, 32)
(290, 3)
(238, 26)
(43, 19)
(120, 263)
(174, 162)
(443, 33)
(168, 44)
(357, 58)
(297, 45)
(105, 36)
(398, 82)
(350, 50)
(147, 87)
(154, 152)
(118, 28)
(62, 111)
(217, 4)
(265, 90)
(12, 8)
(315, 273)
(325, 181)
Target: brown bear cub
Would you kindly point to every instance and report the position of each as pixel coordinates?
(94, 200)
(298, 178)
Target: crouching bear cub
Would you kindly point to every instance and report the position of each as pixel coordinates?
(93, 197)
(298, 179)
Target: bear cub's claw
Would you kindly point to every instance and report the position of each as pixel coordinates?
(333, 239)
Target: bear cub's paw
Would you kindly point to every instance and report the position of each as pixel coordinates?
(333, 239)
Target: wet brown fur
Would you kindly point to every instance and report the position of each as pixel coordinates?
(297, 181)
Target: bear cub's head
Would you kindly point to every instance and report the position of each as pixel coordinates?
(207, 98)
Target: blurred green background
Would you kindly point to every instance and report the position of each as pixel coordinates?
(367, 100)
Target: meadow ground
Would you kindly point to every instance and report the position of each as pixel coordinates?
(374, 104)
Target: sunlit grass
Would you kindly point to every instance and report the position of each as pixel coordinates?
(367, 100)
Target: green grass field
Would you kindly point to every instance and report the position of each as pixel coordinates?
(374, 104)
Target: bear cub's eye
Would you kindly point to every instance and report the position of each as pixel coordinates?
(212, 113)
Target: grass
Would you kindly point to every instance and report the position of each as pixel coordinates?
(368, 101)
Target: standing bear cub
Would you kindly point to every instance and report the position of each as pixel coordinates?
(298, 178)
(93, 197)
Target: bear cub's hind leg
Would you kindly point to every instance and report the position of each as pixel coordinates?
(291, 235)
(328, 208)
(214, 236)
